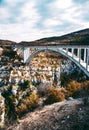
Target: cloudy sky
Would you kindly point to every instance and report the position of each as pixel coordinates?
(33, 19)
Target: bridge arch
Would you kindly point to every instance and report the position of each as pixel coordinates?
(38, 51)
(70, 55)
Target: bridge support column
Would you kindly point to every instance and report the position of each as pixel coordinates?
(67, 50)
(78, 52)
(79, 55)
(87, 58)
(26, 54)
(72, 52)
(85, 55)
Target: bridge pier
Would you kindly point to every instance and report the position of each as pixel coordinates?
(85, 55)
(87, 62)
(72, 52)
(67, 50)
(78, 52)
(26, 51)
(79, 55)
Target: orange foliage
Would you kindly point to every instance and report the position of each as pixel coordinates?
(54, 95)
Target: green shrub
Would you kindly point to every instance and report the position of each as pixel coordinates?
(22, 109)
(28, 104)
(9, 53)
(85, 85)
(84, 91)
(24, 85)
(64, 91)
(10, 112)
(42, 89)
(54, 95)
(72, 88)
(32, 101)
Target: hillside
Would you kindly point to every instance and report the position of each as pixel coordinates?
(80, 37)
(67, 115)
(7, 43)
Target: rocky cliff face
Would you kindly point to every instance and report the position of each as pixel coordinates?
(52, 67)
(45, 67)
(2, 110)
(17, 80)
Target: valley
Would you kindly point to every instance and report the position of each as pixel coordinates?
(49, 87)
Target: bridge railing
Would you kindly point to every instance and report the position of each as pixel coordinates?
(82, 55)
(78, 54)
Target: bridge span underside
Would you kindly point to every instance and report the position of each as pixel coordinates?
(78, 54)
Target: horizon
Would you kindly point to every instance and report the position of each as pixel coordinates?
(29, 21)
(45, 37)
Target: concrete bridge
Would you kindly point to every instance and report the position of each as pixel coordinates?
(79, 54)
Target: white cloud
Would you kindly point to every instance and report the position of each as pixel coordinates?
(12, 3)
(62, 4)
(67, 15)
(18, 33)
(63, 17)
(51, 22)
(4, 13)
(29, 13)
(23, 28)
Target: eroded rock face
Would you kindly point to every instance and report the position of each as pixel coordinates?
(1, 51)
(51, 67)
(2, 110)
(44, 69)
(71, 71)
